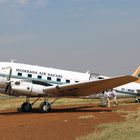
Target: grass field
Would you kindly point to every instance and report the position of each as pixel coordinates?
(15, 102)
(9, 102)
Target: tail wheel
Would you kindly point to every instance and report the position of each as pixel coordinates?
(26, 107)
(45, 107)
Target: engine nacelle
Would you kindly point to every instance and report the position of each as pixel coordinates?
(21, 88)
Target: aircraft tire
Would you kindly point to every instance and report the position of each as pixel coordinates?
(45, 107)
(26, 107)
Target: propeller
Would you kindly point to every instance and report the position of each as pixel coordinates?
(8, 87)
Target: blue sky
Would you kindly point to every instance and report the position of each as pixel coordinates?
(97, 35)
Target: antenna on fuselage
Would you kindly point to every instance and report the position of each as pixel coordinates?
(13, 60)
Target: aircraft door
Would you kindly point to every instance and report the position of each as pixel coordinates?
(5, 77)
(7, 72)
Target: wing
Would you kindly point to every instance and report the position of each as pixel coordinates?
(88, 88)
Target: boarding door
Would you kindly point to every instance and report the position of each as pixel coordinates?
(7, 72)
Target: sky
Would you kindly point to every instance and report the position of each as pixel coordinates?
(101, 36)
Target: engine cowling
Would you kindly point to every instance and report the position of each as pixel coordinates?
(21, 88)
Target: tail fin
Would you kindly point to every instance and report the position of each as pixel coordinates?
(137, 74)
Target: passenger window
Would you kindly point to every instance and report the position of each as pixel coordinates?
(130, 90)
(49, 78)
(39, 77)
(67, 81)
(76, 81)
(58, 80)
(30, 75)
(19, 74)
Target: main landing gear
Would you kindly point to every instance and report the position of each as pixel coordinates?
(44, 106)
(26, 106)
(137, 100)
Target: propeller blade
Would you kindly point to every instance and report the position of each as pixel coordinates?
(10, 73)
(7, 87)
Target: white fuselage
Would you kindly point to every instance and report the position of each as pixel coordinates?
(128, 90)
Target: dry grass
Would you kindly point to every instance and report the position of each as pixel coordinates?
(71, 101)
(15, 102)
(128, 130)
(7, 102)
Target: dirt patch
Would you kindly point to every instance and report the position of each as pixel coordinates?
(64, 122)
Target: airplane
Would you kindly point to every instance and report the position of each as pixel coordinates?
(19, 79)
(131, 89)
(124, 91)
